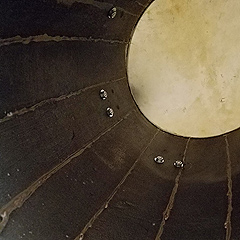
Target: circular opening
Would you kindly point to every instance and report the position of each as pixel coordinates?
(183, 66)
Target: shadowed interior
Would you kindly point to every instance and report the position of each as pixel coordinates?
(67, 170)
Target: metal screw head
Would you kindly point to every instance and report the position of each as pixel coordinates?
(178, 164)
(159, 159)
(112, 13)
(110, 112)
(103, 94)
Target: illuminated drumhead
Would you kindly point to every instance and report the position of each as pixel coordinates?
(184, 66)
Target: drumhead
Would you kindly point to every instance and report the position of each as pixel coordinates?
(184, 65)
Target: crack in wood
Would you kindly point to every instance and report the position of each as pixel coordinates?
(22, 197)
(228, 224)
(25, 110)
(46, 38)
(166, 213)
(111, 196)
(140, 4)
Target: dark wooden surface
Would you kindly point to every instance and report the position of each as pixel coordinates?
(136, 210)
(77, 191)
(234, 149)
(34, 143)
(36, 17)
(201, 202)
(106, 184)
(38, 71)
